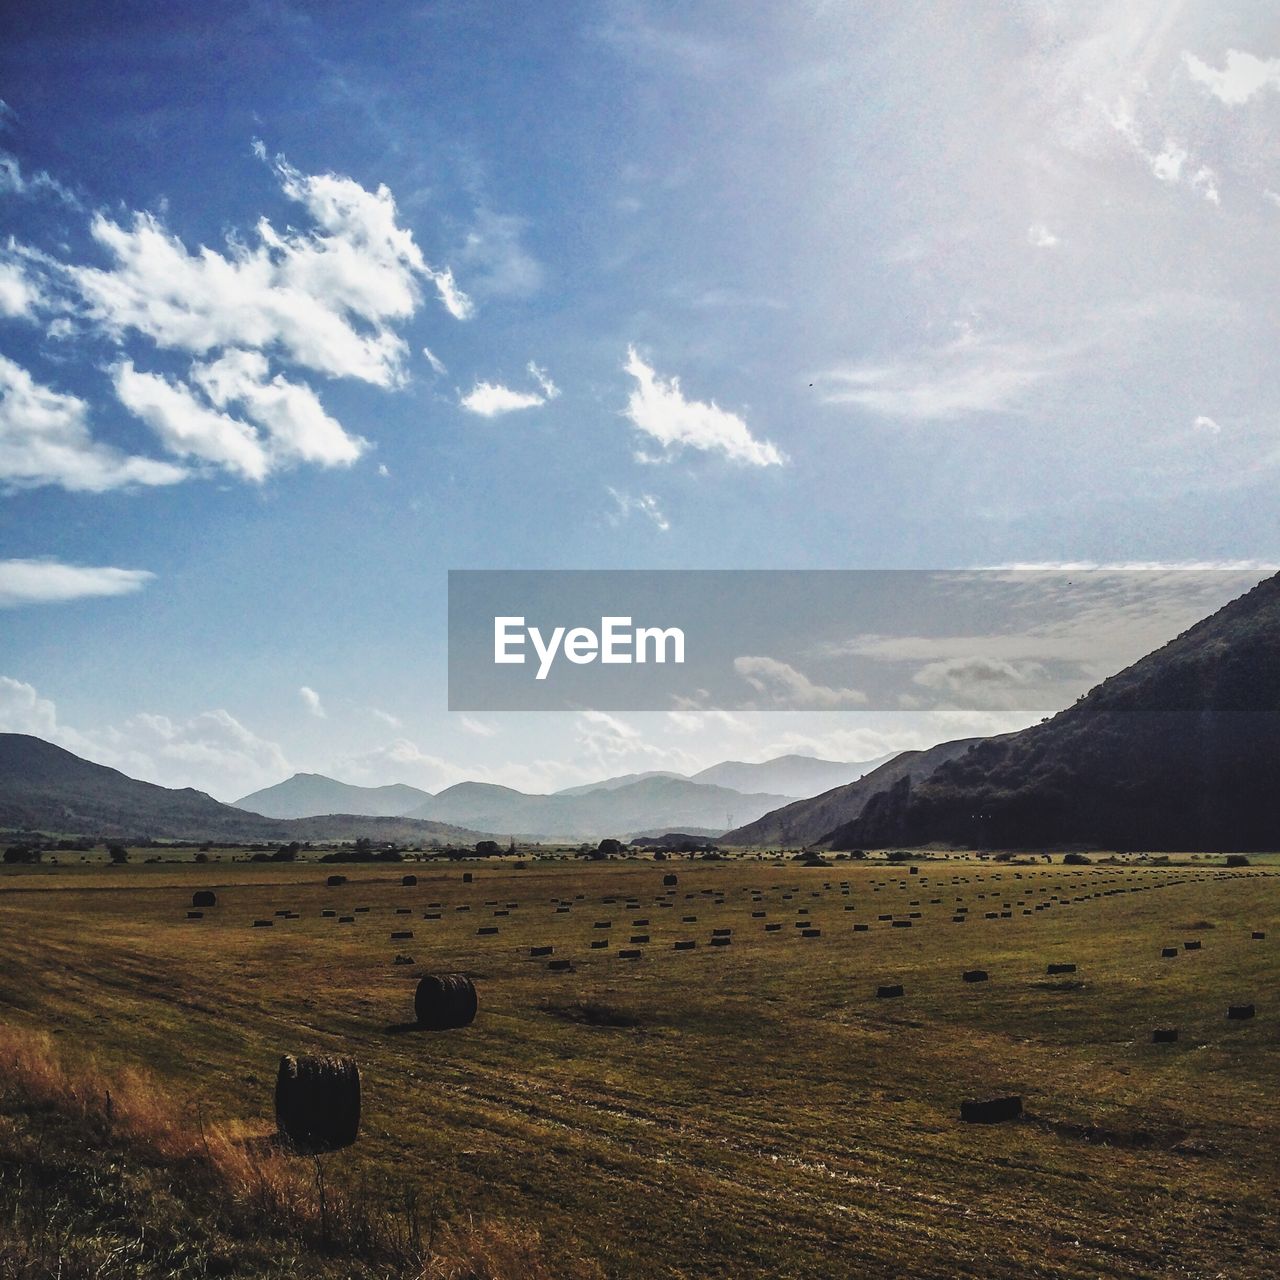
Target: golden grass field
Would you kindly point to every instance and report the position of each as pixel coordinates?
(761, 1113)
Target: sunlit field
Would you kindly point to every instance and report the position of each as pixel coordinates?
(749, 1108)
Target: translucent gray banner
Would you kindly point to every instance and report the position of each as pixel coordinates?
(811, 640)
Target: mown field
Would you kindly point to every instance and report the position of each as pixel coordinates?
(743, 1110)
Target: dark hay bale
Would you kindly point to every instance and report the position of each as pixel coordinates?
(361, 910)
(1191, 946)
(772, 928)
(1168, 953)
(639, 924)
(861, 928)
(1164, 1035)
(901, 924)
(958, 919)
(404, 911)
(1060, 968)
(1240, 1012)
(540, 951)
(402, 959)
(408, 880)
(467, 877)
(486, 931)
(1258, 935)
(974, 975)
(334, 881)
(889, 992)
(263, 924)
(639, 937)
(195, 915)
(688, 919)
(318, 1102)
(600, 944)
(444, 1001)
(399, 935)
(204, 898)
(628, 955)
(991, 1110)
(346, 919)
(811, 933)
(328, 913)
(721, 933)
(685, 946)
(284, 913)
(670, 879)
(559, 966)
(721, 942)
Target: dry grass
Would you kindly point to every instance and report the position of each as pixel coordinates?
(251, 1186)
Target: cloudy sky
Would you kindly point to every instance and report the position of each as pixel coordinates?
(297, 313)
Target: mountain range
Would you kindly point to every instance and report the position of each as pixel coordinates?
(708, 801)
(45, 788)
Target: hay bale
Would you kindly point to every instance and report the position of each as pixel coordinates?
(628, 955)
(444, 1001)
(334, 881)
(467, 877)
(559, 966)
(263, 924)
(195, 915)
(1060, 968)
(991, 1110)
(1240, 1012)
(204, 898)
(399, 935)
(688, 945)
(603, 924)
(346, 919)
(861, 928)
(902, 924)
(772, 928)
(599, 944)
(639, 937)
(486, 931)
(811, 933)
(688, 919)
(1168, 953)
(974, 975)
(1259, 935)
(408, 880)
(889, 992)
(670, 879)
(721, 933)
(1164, 1035)
(1191, 946)
(722, 942)
(318, 1102)
(540, 951)
(402, 959)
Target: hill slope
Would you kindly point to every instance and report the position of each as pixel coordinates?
(1178, 751)
(307, 794)
(790, 775)
(806, 822)
(45, 788)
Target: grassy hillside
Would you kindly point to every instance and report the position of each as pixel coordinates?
(1178, 751)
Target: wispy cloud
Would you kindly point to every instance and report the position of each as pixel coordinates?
(437, 365)
(644, 504)
(970, 375)
(52, 582)
(45, 440)
(477, 727)
(659, 408)
(1242, 77)
(493, 399)
(311, 700)
(783, 685)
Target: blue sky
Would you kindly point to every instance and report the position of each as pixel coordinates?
(704, 286)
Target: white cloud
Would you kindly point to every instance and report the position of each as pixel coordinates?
(492, 399)
(1243, 76)
(1041, 237)
(52, 582)
(18, 293)
(23, 710)
(658, 407)
(311, 700)
(477, 727)
(970, 375)
(437, 365)
(783, 685)
(1205, 423)
(644, 504)
(386, 717)
(979, 681)
(498, 263)
(45, 439)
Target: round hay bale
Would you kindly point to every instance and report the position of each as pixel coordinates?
(991, 1110)
(1259, 935)
(687, 945)
(334, 881)
(328, 913)
(346, 919)
(400, 935)
(408, 880)
(1168, 953)
(1240, 1012)
(974, 975)
(639, 937)
(722, 942)
(773, 928)
(889, 992)
(318, 1102)
(402, 959)
(628, 955)
(1191, 946)
(467, 877)
(540, 951)
(445, 1000)
(1060, 968)
(263, 924)
(1164, 1035)
(559, 966)
(861, 928)
(600, 944)
(204, 898)
(811, 933)
(670, 879)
